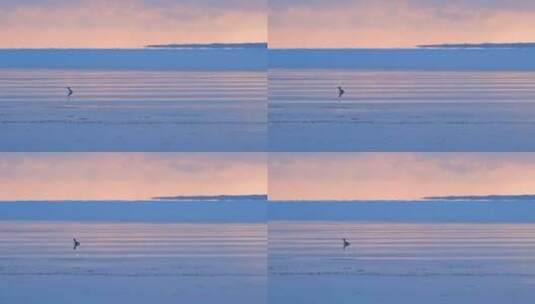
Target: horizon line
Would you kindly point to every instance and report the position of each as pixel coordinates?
(265, 44)
(265, 197)
(220, 197)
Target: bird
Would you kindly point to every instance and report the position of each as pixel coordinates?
(340, 92)
(69, 92)
(75, 244)
(346, 243)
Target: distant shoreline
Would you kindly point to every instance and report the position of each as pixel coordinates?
(482, 197)
(248, 45)
(213, 197)
(479, 45)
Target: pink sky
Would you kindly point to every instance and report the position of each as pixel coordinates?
(292, 176)
(397, 23)
(345, 176)
(129, 23)
(128, 176)
(292, 23)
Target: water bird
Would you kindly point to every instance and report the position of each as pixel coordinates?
(340, 92)
(69, 92)
(75, 244)
(346, 243)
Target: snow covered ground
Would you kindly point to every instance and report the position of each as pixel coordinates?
(401, 261)
(132, 110)
(123, 256)
(401, 110)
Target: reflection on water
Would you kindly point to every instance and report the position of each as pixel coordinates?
(400, 86)
(132, 249)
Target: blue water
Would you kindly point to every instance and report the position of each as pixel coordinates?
(131, 110)
(135, 211)
(135, 59)
(404, 59)
(404, 211)
(259, 59)
(399, 110)
(133, 262)
(389, 261)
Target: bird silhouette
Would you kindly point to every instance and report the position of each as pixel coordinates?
(346, 243)
(75, 244)
(340, 92)
(69, 92)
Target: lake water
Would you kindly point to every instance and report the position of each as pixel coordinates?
(132, 262)
(134, 110)
(285, 261)
(401, 110)
(386, 262)
(319, 85)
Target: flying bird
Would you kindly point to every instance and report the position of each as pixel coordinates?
(75, 244)
(346, 243)
(340, 92)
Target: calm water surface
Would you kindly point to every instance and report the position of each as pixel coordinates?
(308, 86)
(165, 249)
(138, 262)
(401, 110)
(421, 263)
(132, 110)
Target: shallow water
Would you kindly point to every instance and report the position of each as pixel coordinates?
(456, 262)
(401, 110)
(174, 262)
(130, 86)
(308, 86)
(132, 110)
